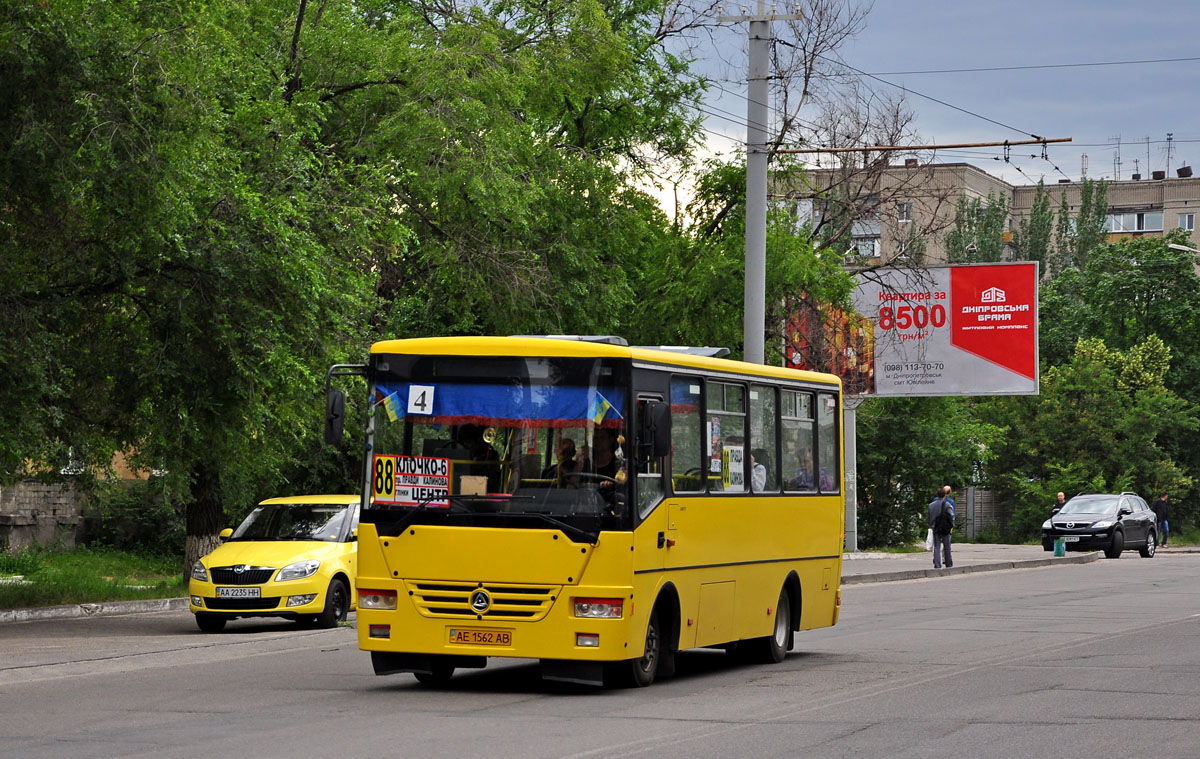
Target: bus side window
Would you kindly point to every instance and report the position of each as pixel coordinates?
(764, 439)
(686, 473)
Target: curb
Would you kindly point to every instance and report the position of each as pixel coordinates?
(919, 574)
(108, 608)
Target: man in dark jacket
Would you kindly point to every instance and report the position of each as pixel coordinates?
(940, 518)
(1160, 517)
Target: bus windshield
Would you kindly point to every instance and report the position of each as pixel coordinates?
(506, 441)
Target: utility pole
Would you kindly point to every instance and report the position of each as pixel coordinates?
(757, 117)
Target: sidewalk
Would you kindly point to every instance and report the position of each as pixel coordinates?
(868, 566)
(857, 568)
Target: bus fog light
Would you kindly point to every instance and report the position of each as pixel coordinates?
(599, 608)
(587, 640)
(301, 600)
(377, 599)
(380, 631)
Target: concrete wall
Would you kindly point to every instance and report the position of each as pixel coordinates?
(34, 512)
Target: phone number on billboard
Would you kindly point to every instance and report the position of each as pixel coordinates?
(925, 367)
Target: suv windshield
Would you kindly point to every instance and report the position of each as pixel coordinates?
(1091, 504)
(517, 439)
(294, 521)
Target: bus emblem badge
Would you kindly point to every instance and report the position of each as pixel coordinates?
(480, 601)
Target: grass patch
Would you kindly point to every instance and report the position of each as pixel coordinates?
(86, 575)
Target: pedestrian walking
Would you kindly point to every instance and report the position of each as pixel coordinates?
(1160, 517)
(940, 517)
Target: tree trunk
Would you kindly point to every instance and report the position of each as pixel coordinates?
(205, 517)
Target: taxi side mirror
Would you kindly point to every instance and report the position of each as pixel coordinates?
(225, 534)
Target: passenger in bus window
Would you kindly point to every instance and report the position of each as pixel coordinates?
(758, 470)
(803, 480)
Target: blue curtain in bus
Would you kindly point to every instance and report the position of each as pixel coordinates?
(509, 405)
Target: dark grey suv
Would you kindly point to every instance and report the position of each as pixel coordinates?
(1109, 522)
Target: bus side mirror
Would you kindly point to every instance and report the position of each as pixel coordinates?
(335, 416)
(655, 434)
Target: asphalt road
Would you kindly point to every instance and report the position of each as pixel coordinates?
(1068, 660)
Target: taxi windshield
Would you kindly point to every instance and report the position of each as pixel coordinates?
(293, 521)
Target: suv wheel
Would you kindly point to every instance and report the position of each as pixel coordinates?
(1118, 544)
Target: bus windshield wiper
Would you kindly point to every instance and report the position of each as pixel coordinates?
(576, 534)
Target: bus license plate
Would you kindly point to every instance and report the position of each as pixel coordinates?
(1071, 539)
(476, 637)
(239, 592)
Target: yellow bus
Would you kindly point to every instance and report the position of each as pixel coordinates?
(592, 505)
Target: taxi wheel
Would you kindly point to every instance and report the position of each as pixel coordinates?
(210, 623)
(337, 605)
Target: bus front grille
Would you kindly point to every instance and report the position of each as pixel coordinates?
(452, 600)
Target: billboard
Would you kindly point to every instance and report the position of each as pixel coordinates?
(942, 330)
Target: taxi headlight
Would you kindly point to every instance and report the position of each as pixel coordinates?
(199, 572)
(298, 570)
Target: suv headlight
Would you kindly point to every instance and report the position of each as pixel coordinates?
(298, 570)
(199, 572)
(1102, 525)
(1046, 525)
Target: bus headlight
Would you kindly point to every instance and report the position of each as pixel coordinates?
(384, 600)
(599, 608)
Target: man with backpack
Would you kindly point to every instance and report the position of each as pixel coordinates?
(940, 518)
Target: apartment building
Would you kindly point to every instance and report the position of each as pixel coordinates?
(900, 214)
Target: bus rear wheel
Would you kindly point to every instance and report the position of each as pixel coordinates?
(773, 648)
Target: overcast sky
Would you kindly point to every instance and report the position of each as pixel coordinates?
(1091, 104)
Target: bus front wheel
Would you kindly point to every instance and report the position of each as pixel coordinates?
(642, 671)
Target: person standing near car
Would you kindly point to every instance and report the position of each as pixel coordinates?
(1160, 518)
(1060, 501)
(940, 517)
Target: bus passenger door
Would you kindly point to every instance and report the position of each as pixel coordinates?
(650, 450)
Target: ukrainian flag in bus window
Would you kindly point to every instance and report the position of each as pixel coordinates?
(391, 405)
(599, 408)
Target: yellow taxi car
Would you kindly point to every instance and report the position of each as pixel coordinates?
(291, 557)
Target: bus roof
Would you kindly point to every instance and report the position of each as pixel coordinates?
(566, 347)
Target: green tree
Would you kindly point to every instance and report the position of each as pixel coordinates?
(698, 283)
(977, 234)
(1033, 238)
(1076, 236)
(907, 449)
(1099, 424)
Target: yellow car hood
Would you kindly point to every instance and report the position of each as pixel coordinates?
(270, 553)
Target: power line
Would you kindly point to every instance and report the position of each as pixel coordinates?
(927, 97)
(1041, 66)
